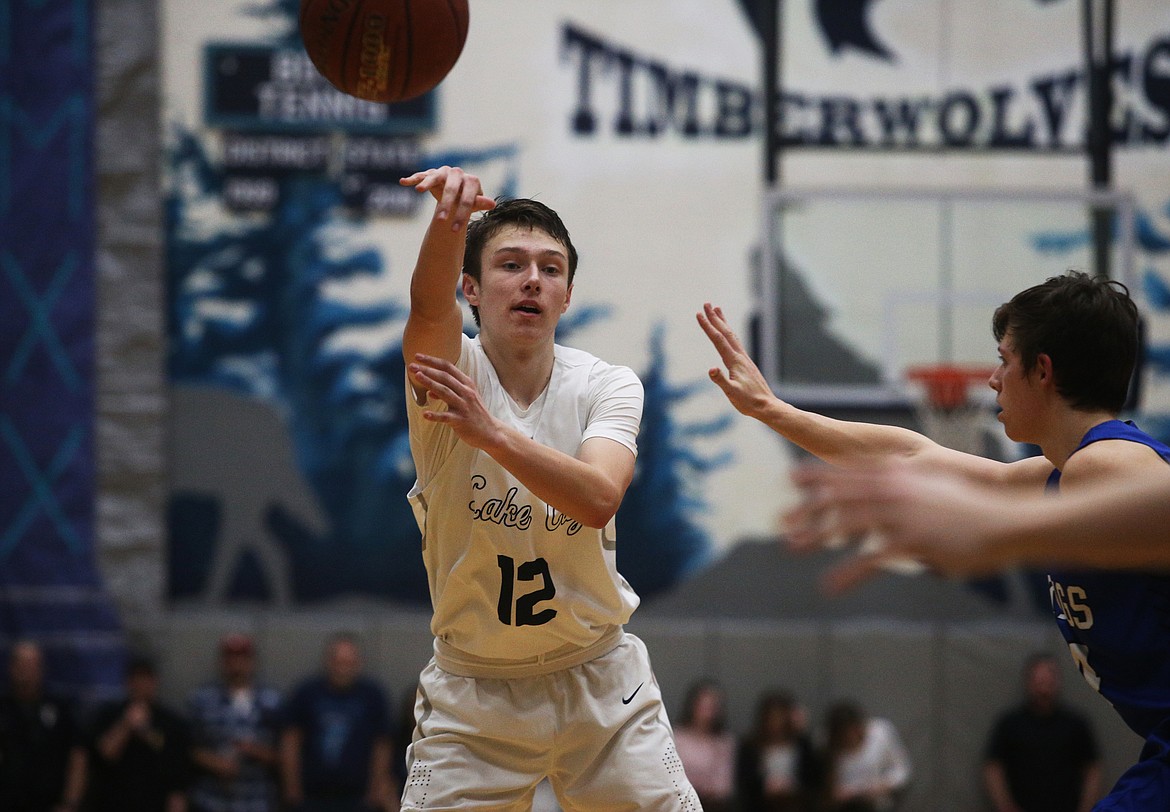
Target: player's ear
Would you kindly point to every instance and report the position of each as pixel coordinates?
(470, 289)
(568, 296)
(1044, 367)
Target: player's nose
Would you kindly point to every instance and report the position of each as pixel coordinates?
(532, 276)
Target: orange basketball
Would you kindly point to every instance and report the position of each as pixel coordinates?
(384, 50)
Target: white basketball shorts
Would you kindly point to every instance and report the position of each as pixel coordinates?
(598, 731)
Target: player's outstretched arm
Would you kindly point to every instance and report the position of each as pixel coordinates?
(435, 321)
(837, 441)
(942, 521)
(588, 487)
(960, 528)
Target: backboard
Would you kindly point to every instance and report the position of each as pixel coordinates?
(858, 285)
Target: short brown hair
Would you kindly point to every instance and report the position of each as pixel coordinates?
(520, 211)
(1088, 326)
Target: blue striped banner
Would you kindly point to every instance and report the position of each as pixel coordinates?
(50, 589)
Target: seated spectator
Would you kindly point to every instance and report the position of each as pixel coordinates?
(776, 765)
(139, 750)
(337, 743)
(1042, 756)
(706, 749)
(234, 727)
(868, 768)
(42, 753)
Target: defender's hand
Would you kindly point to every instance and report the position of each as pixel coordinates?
(743, 383)
(944, 522)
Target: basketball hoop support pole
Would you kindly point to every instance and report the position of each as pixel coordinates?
(771, 54)
(1097, 19)
(766, 349)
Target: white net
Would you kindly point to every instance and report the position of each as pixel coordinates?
(954, 406)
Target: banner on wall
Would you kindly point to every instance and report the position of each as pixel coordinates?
(290, 245)
(278, 117)
(915, 99)
(50, 588)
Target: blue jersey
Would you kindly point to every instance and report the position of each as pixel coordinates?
(1117, 624)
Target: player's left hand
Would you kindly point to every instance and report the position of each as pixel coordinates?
(943, 522)
(465, 412)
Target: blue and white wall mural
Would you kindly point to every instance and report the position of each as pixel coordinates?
(291, 456)
(290, 245)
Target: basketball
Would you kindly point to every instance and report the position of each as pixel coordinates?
(384, 50)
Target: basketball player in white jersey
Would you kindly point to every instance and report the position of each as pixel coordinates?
(523, 450)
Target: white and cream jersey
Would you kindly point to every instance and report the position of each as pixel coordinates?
(512, 580)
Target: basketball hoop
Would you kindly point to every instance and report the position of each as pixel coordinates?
(946, 385)
(945, 408)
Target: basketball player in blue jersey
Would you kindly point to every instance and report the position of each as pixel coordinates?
(523, 450)
(1067, 349)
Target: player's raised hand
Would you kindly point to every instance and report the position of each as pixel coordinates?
(465, 412)
(458, 194)
(944, 522)
(743, 383)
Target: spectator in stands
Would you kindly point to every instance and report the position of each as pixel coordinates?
(42, 753)
(868, 768)
(776, 766)
(140, 750)
(706, 748)
(337, 743)
(1042, 756)
(234, 727)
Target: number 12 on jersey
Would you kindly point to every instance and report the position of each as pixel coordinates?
(526, 603)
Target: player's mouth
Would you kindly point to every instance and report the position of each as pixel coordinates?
(528, 308)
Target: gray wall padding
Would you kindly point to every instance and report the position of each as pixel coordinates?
(942, 685)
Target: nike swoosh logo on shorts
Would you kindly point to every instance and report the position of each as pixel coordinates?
(630, 698)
